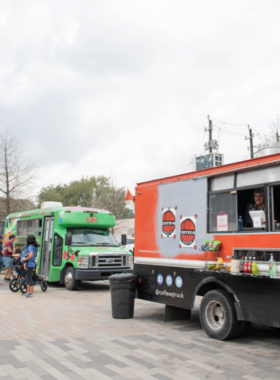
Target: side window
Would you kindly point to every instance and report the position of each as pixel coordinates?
(26, 227)
(57, 250)
(222, 215)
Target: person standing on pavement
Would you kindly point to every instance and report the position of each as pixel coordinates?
(8, 252)
(1, 254)
(30, 257)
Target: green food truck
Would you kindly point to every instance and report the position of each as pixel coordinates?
(75, 243)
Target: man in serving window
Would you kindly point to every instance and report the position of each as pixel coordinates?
(257, 205)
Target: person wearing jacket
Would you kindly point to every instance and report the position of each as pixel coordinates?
(30, 256)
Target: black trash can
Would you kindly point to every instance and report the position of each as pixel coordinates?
(123, 286)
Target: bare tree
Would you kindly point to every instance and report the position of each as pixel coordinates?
(273, 134)
(16, 173)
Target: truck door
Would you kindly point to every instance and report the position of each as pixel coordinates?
(47, 248)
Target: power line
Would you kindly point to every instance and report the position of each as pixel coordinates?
(224, 122)
(256, 131)
(228, 132)
(175, 170)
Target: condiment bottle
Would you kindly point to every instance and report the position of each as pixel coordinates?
(250, 265)
(254, 267)
(241, 265)
(245, 266)
(272, 269)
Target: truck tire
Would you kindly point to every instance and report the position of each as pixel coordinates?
(69, 279)
(218, 316)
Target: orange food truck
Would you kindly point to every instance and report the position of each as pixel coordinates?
(212, 233)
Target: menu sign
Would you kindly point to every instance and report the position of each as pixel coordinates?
(222, 222)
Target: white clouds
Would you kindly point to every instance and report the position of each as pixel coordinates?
(124, 87)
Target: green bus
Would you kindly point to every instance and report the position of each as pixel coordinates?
(75, 243)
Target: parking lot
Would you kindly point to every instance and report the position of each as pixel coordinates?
(71, 335)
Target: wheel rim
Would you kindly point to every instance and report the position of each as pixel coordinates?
(23, 287)
(14, 286)
(215, 315)
(68, 278)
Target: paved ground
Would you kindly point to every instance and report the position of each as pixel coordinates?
(71, 335)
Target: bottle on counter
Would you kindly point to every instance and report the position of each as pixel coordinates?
(254, 266)
(245, 266)
(272, 269)
(240, 223)
(242, 265)
(250, 265)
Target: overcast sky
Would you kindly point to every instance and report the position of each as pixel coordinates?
(123, 88)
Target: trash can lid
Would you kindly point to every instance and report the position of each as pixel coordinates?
(122, 277)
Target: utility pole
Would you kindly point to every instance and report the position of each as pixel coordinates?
(210, 135)
(251, 135)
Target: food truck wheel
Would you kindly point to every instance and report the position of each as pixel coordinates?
(217, 315)
(69, 279)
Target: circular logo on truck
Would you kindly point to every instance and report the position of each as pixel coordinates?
(178, 281)
(187, 233)
(159, 279)
(169, 280)
(168, 222)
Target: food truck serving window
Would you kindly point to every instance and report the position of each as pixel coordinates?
(246, 201)
(222, 212)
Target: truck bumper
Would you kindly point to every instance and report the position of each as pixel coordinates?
(91, 275)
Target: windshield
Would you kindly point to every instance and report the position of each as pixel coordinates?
(92, 237)
(130, 241)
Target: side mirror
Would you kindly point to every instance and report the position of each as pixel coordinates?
(123, 241)
(68, 238)
(77, 252)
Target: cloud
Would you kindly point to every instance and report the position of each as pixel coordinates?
(125, 87)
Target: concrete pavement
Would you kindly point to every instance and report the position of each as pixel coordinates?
(71, 335)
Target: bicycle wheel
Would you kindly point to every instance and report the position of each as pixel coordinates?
(14, 285)
(23, 286)
(44, 285)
